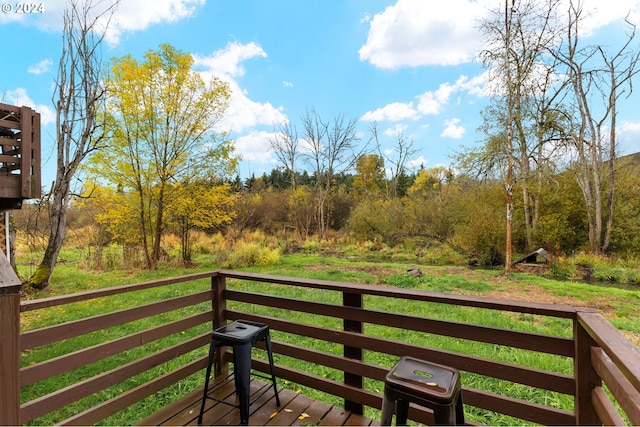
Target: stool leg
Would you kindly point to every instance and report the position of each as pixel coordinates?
(459, 412)
(212, 347)
(272, 369)
(444, 415)
(388, 403)
(242, 373)
(402, 412)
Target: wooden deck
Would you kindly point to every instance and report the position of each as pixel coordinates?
(295, 409)
(597, 380)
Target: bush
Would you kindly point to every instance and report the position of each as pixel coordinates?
(441, 254)
(311, 245)
(561, 269)
(101, 258)
(376, 221)
(248, 254)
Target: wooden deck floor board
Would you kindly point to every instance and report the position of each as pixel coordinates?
(295, 409)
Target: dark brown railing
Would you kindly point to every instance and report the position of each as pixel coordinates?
(351, 347)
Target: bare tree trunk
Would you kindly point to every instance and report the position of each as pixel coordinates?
(590, 141)
(509, 185)
(58, 218)
(79, 91)
(143, 227)
(398, 158)
(157, 231)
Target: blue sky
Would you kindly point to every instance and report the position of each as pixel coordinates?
(409, 65)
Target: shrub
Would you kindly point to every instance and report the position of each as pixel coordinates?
(101, 258)
(247, 254)
(441, 254)
(561, 269)
(311, 245)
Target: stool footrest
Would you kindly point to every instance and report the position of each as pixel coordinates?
(218, 385)
(240, 335)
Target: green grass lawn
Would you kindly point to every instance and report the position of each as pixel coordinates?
(620, 304)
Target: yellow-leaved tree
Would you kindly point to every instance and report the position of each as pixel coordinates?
(161, 117)
(201, 205)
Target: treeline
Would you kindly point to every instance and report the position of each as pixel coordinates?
(545, 174)
(427, 208)
(437, 205)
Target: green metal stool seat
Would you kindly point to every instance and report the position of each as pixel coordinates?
(241, 335)
(429, 385)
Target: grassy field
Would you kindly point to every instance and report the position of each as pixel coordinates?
(619, 303)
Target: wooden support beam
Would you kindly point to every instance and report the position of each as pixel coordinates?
(10, 338)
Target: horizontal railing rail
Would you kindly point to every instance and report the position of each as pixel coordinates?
(84, 388)
(615, 364)
(507, 405)
(336, 339)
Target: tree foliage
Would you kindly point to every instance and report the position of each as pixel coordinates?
(161, 135)
(554, 97)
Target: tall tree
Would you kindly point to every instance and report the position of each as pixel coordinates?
(284, 143)
(79, 94)
(597, 79)
(518, 39)
(370, 177)
(396, 157)
(163, 114)
(333, 150)
(200, 204)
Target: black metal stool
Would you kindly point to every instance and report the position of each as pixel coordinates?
(430, 385)
(240, 335)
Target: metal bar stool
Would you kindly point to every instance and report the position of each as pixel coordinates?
(241, 335)
(430, 385)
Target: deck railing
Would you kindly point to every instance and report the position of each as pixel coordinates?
(338, 330)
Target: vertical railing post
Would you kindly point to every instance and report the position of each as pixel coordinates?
(25, 159)
(35, 157)
(351, 379)
(586, 377)
(219, 305)
(9, 344)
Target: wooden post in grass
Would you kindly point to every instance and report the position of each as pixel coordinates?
(9, 344)
(219, 305)
(353, 380)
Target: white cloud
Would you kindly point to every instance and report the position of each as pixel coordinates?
(414, 33)
(41, 67)
(597, 13)
(393, 112)
(19, 98)
(139, 15)
(430, 102)
(255, 147)
(417, 32)
(398, 129)
(629, 127)
(243, 113)
(228, 61)
(628, 137)
(416, 163)
(452, 129)
(130, 16)
(476, 85)
(286, 84)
